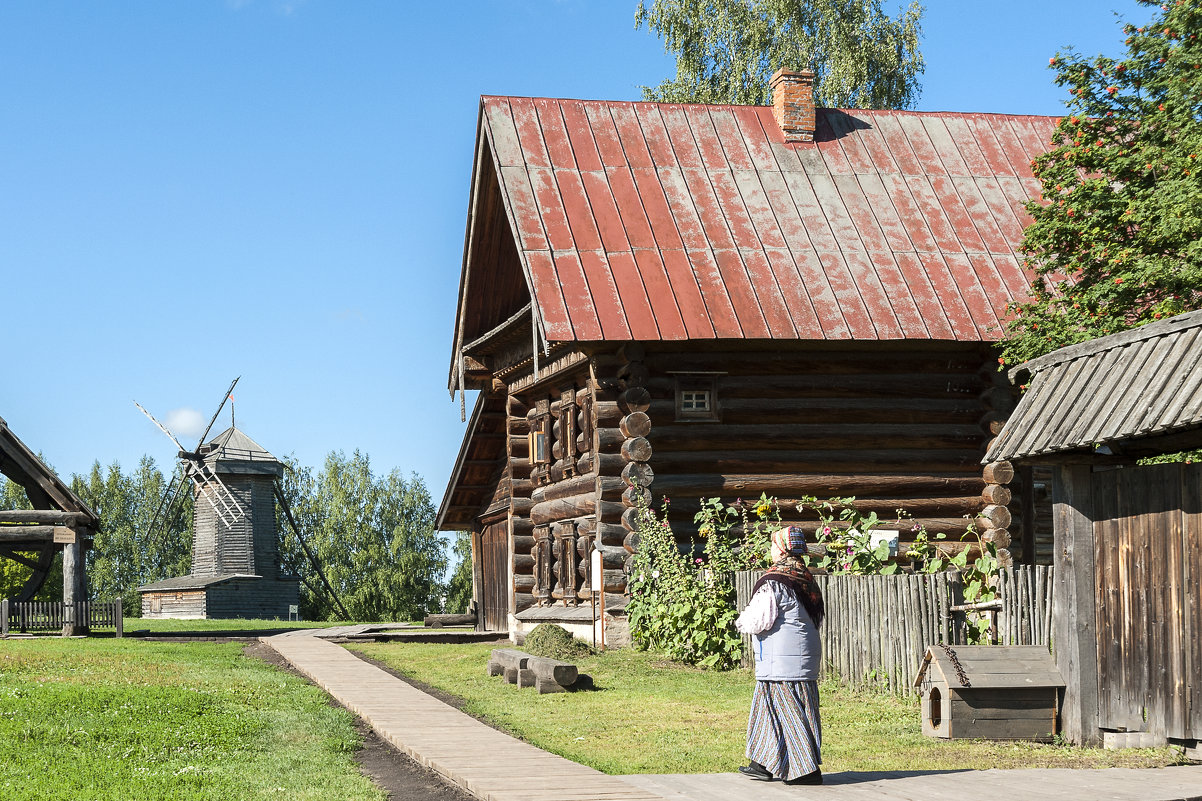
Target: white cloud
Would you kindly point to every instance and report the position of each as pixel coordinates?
(187, 424)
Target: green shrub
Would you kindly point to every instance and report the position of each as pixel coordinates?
(554, 642)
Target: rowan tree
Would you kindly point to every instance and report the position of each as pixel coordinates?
(726, 50)
(1116, 240)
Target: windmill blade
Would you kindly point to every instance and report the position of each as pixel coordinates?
(213, 419)
(162, 427)
(167, 502)
(214, 490)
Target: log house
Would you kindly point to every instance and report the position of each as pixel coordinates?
(682, 297)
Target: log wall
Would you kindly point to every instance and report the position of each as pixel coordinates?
(896, 426)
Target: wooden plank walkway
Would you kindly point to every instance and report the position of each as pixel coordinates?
(494, 766)
(489, 764)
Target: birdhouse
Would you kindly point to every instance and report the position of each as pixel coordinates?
(991, 692)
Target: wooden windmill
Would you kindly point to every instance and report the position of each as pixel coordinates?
(236, 570)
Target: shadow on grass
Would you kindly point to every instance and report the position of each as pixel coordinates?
(206, 634)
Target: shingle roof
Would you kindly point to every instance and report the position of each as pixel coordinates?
(655, 221)
(1136, 383)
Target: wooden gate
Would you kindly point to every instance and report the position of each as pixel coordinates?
(494, 574)
(1148, 547)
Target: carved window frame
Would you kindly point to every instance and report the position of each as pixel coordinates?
(539, 440)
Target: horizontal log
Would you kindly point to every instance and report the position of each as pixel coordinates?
(522, 562)
(522, 600)
(523, 544)
(758, 361)
(757, 410)
(885, 508)
(633, 374)
(993, 422)
(606, 464)
(46, 516)
(1005, 558)
(510, 657)
(819, 484)
(586, 528)
(638, 473)
(637, 449)
(515, 406)
(609, 440)
(635, 424)
(1000, 537)
(553, 670)
(999, 399)
(611, 487)
(817, 436)
(635, 399)
(449, 620)
(27, 533)
(631, 543)
(577, 485)
(606, 412)
(630, 518)
(612, 556)
(520, 507)
(610, 511)
(996, 494)
(634, 495)
(814, 461)
(610, 533)
(994, 516)
(936, 385)
(614, 580)
(524, 582)
(998, 473)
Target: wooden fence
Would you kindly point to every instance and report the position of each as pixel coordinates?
(878, 627)
(52, 616)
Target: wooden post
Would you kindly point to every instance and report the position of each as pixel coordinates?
(119, 611)
(73, 587)
(4, 617)
(1074, 627)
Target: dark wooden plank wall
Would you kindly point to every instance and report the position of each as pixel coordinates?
(1148, 550)
(894, 427)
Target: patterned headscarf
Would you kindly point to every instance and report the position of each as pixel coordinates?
(792, 574)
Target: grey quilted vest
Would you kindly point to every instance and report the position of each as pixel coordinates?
(791, 650)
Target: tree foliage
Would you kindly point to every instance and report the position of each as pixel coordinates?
(1117, 235)
(373, 536)
(459, 588)
(726, 50)
(127, 552)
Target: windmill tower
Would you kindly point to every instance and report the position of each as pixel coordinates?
(235, 544)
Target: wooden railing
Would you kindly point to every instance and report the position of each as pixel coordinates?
(878, 627)
(30, 616)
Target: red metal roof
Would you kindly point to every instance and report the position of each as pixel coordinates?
(654, 221)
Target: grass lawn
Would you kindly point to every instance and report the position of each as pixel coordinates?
(102, 719)
(232, 627)
(652, 716)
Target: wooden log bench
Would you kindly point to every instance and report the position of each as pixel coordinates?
(520, 668)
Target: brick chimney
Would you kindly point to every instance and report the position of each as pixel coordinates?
(793, 104)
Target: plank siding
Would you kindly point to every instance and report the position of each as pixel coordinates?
(1147, 546)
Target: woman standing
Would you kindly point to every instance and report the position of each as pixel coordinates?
(784, 730)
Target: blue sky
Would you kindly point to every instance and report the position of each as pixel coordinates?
(277, 189)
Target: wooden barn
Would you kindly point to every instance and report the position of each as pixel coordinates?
(59, 522)
(726, 301)
(1127, 606)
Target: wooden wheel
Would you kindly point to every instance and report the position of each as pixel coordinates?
(39, 558)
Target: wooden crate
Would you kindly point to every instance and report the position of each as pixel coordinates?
(999, 692)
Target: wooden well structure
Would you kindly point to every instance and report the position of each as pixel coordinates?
(701, 301)
(1128, 604)
(59, 523)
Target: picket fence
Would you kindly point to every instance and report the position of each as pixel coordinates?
(27, 616)
(877, 628)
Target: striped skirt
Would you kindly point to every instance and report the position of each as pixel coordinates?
(784, 729)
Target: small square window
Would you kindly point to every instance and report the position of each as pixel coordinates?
(697, 397)
(694, 400)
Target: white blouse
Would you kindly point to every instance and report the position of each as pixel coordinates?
(760, 613)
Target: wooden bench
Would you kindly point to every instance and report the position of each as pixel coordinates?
(520, 668)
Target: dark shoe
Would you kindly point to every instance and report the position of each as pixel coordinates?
(809, 778)
(756, 772)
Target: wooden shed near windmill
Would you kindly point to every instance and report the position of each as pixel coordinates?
(1127, 606)
(724, 301)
